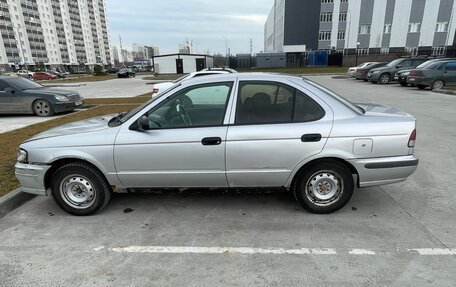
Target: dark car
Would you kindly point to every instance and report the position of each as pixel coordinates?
(20, 95)
(57, 73)
(385, 75)
(361, 73)
(437, 75)
(401, 76)
(44, 76)
(113, 70)
(126, 73)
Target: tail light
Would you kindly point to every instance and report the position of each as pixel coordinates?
(412, 139)
(155, 90)
(416, 74)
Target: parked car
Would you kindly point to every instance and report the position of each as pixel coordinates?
(25, 73)
(235, 131)
(385, 75)
(126, 73)
(20, 95)
(436, 76)
(352, 70)
(163, 86)
(44, 76)
(112, 70)
(401, 76)
(361, 73)
(57, 73)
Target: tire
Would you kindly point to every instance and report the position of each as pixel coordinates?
(365, 80)
(80, 189)
(421, 87)
(324, 174)
(437, 85)
(42, 108)
(384, 79)
(403, 84)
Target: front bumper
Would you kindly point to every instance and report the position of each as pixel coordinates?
(67, 106)
(380, 171)
(373, 77)
(31, 177)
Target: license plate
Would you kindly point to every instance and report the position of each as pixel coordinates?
(411, 79)
(79, 103)
(396, 78)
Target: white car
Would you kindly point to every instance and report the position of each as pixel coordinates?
(352, 70)
(25, 73)
(160, 87)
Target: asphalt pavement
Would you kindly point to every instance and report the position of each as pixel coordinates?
(397, 235)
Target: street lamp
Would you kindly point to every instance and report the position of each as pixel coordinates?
(357, 52)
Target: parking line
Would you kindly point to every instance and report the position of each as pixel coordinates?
(275, 251)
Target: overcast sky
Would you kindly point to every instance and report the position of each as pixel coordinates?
(167, 23)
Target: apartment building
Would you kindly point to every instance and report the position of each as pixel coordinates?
(362, 26)
(67, 34)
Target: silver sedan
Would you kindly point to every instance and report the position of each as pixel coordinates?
(227, 131)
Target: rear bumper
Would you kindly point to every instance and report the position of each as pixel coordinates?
(31, 177)
(418, 81)
(380, 171)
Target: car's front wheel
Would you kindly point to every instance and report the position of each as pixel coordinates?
(324, 187)
(384, 79)
(438, 84)
(80, 189)
(43, 108)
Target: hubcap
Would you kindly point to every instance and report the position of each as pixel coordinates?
(438, 85)
(77, 191)
(324, 188)
(42, 108)
(385, 79)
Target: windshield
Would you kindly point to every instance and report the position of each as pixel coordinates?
(339, 98)
(394, 63)
(24, 84)
(433, 65)
(181, 79)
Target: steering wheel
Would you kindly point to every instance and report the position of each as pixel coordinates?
(183, 114)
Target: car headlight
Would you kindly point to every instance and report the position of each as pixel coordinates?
(406, 74)
(61, 98)
(375, 72)
(22, 156)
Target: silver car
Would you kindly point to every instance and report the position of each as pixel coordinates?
(226, 131)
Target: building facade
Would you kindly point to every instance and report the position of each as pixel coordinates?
(362, 26)
(69, 34)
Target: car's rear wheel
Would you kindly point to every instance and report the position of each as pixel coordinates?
(324, 187)
(365, 80)
(43, 108)
(80, 189)
(384, 79)
(437, 85)
(421, 87)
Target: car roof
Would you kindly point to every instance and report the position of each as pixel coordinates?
(254, 76)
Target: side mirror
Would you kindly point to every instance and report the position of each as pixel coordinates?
(143, 123)
(398, 67)
(9, 90)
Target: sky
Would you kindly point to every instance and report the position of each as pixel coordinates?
(211, 24)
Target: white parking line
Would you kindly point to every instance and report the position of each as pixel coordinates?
(275, 251)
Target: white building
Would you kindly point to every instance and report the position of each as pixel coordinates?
(71, 34)
(363, 26)
(181, 63)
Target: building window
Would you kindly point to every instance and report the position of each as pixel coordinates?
(324, 36)
(442, 27)
(343, 1)
(343, 17)
(327, 1)
(387, 29)
(414, 27)
(341, 35)
(438, 51)
(364, 29)
(326, 17)
(384, 51)
(363, 51)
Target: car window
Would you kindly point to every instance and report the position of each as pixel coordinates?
(418, 62)
(450, 66)
(406, 63)
(197, 106)
(24, 84)
(265, 103)
(3, 85)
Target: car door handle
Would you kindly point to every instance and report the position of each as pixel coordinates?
(311, 138)
(212, 141)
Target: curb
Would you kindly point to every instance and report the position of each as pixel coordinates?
(13, 200)
(65, 85)
(445, 92)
